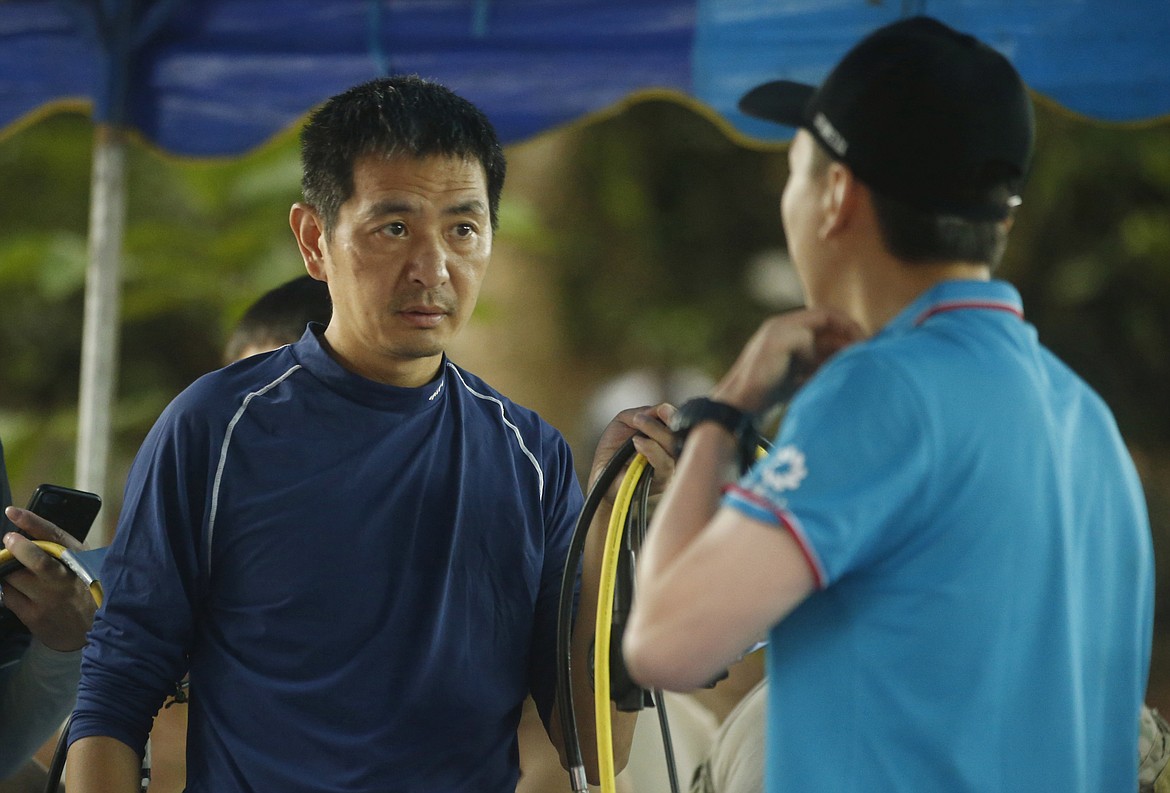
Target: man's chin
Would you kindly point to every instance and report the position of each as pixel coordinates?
(417, 352)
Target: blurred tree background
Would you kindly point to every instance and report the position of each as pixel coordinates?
(651, 240)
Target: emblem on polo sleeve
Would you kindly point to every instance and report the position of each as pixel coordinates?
(785, 470)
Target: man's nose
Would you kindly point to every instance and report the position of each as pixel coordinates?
(428, 261)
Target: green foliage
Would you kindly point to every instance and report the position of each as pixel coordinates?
(202, 240)
(665, 215)
(1091, 255)
(656, 233)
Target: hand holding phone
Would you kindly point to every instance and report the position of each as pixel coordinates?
(39, 596)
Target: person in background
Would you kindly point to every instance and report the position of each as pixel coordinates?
(1153, 753)
(735, 760)
(948, 545)
(353, 545)
(279, 317)
(45, 612)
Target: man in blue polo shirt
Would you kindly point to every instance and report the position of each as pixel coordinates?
(948, 542)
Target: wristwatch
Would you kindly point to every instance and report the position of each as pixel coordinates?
(739, 423)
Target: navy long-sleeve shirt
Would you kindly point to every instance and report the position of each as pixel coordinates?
(361, 579)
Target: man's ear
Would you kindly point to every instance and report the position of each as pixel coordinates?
(309, 230)
(839, 199)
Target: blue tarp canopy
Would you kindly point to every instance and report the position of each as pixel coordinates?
(210, 78)
(218, 77)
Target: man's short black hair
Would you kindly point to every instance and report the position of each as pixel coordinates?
(279, 316)
(391, 116)
(919, 236)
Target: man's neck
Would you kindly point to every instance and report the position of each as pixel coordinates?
(403, 373)
(881, 288)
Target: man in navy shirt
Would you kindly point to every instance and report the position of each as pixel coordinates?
(353, 545)
(948, 543)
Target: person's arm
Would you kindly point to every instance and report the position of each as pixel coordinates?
(711, 580)
(652, 439)
(58, 610)
(99, 764)
(139, 645)
(34, 701)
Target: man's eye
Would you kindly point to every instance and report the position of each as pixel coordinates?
(464, 230)
(394, 229)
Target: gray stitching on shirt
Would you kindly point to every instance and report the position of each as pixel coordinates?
(223, 452)
(511, 426)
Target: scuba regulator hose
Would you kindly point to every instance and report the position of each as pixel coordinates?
(603, 631)
(635, 482)
(635, 485)
(564, 695)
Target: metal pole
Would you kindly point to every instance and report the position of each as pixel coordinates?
(100, 333)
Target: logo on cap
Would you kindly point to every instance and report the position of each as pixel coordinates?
(829, 134)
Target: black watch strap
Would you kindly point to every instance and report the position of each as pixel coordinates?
(700, 409)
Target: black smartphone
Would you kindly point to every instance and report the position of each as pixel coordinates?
(72, 510)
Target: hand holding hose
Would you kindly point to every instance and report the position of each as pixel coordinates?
(649, 426)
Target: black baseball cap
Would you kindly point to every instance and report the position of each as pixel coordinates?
(921, 113)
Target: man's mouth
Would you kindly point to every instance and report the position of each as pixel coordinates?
(423, 316)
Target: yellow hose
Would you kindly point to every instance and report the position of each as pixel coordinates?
(602, 637)
(62, 554)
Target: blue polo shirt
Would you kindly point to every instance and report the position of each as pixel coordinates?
(982, 553)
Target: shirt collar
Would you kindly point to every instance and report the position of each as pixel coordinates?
(957, 295)
(311, 354)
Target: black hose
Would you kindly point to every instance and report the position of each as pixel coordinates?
(667, 743)
(626, 694)
(564, 695)
(635, 536)
(57, 764)
(636, 529)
